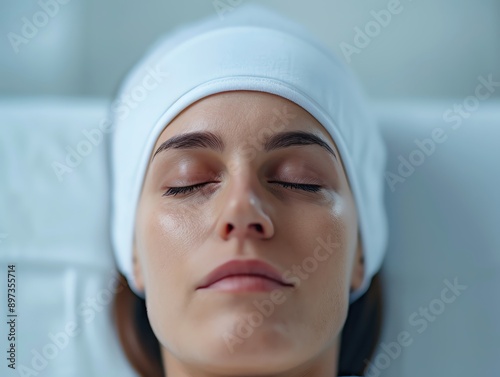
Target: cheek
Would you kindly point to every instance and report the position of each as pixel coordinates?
(327, 246)
(166, 235)
(164, 239)
(326, 228)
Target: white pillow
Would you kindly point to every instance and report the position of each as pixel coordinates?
(56, 233)
(444, 226)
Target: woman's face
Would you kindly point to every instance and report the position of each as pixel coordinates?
(244, 211)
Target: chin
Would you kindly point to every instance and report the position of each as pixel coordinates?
(252, 359)
(267, 345)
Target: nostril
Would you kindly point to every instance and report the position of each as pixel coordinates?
(259, 227)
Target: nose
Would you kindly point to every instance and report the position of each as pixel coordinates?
(243, 216)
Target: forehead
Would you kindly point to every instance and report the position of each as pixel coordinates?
(239, 115)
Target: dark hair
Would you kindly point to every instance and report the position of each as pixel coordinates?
(360, 334)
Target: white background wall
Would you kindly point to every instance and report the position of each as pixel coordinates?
(432, 48)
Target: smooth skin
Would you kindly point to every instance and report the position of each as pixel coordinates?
(245, 212)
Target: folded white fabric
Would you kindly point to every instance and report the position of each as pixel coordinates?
(252, 49)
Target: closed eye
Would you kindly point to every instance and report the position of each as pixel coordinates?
(172, 191)
(299, 186)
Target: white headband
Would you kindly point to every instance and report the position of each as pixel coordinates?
(251, 49)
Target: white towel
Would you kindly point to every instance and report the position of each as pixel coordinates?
(251, 49)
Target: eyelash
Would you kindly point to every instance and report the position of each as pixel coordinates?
(172, 191)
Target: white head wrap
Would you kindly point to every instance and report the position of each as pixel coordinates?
(252, 48)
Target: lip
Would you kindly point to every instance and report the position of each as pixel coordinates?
(244, 275)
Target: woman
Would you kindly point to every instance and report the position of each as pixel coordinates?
(248, 215)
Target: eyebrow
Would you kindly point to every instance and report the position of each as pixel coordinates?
(207, 139)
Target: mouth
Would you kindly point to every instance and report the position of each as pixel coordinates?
(244, 276)
(246, 283)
